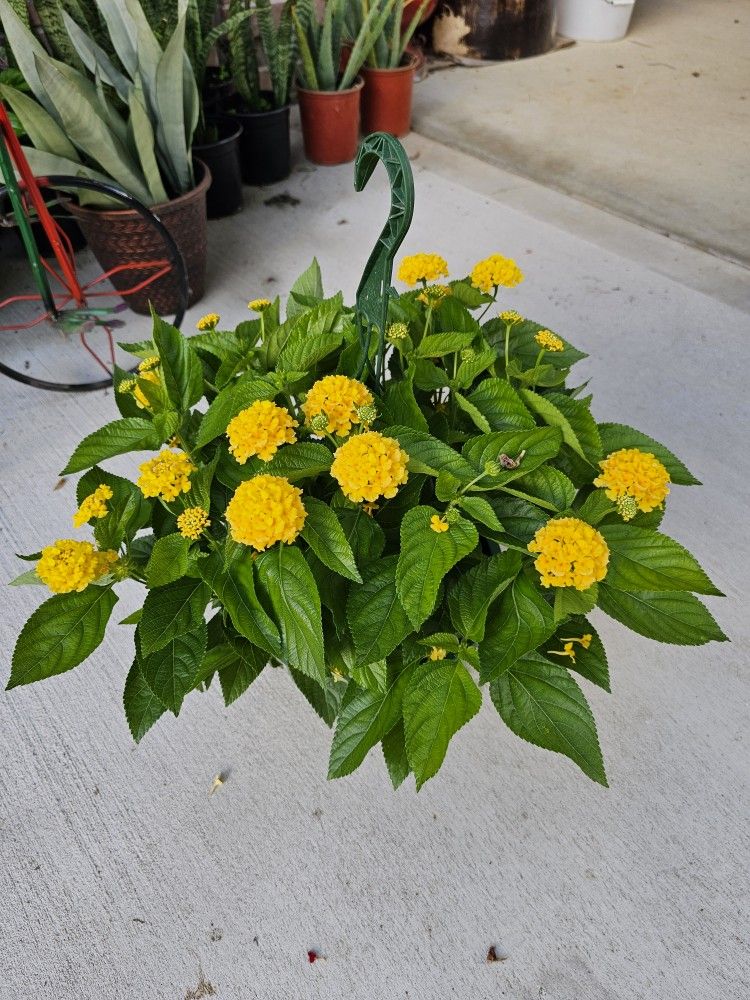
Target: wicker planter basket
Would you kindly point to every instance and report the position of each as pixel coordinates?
(123, 236)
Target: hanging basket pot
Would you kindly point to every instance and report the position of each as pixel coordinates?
(494, 29)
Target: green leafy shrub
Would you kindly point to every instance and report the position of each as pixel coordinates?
(395, 544)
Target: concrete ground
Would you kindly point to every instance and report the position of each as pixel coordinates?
(655, 128)
(121, 878)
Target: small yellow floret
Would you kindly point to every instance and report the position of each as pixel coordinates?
(494, 271)
(635, 476)
(567, 650)
(95, 505)
(265, 510)
(338, 398)
(433, 295)
(438, 653)
(511, 316)
(149, 363)
(208, 322)
(259, 305)
(570, 553)
(191, 522)
(369, 466)
(438, 523)
(166, 476)
(260, 430)
(147, 375)
(69, 565)
(548, 341)
(422, 267)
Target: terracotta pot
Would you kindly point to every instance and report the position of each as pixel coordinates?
(330, 123)
(386, 99)
(494, 29)
(120, 236)
(410, 9)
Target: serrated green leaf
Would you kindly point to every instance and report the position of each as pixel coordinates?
(554, 417)
(172, 670)
(168, 561)
(648, 560)
(29, 578)
(595, 508)
(324, 534)
(374, 676)
(180, 368)
(142, 707)
(540, 702)
(364, 534)
(230, 401)
(115, 438)
(548, 484)
(440, 698)
(521, 520)
(675, 617)
(399, 405)
(426, 556)
(430, 455)
(469, 369)
(234, 585)
(246, 665)
(325, 699)
(569, 601)
(499, 402)
(294, 462)
(61, 634)
(171, 610)
(127, 509)
(617, 436)
(475, 415)
(303, 350)
(538, 445)
(428, 376)
(435, 345)
(309, 285)
(522, 621)
(364, 719)
(470, 596)
(480, 510)
(377, 619)
(394, 753)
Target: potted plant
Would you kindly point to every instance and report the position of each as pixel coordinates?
(265, 154)
(594, 20)
(389, 70)
(329, 99)
(130, 124)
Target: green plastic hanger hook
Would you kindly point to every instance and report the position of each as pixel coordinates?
(375, 287)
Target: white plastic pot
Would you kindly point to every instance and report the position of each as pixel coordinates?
(594, 20)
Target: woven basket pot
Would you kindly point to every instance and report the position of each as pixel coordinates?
(122, 236)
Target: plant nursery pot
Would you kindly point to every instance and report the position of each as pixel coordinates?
(494, 29)
(594, 20)
(265, 151)
(387, 98)
(330, 123)
(217, 93)
(222, 158)
(121, 236)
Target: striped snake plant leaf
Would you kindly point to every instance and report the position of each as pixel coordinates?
(122, 32)
(40, 126)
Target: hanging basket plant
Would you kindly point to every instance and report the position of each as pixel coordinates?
(408, 506)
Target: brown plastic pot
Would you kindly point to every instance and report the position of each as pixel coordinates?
(123, 236)
(387, 97)
(330, 123)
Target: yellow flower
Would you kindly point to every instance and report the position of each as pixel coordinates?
(208, 322)
(496, 270)
(438, 524)
(422, 267)
(265, 510)
(192, 522)
(260, 430)
(148, 375)
(166, 476)
(127, 385)
(567, 650)
(259, 305)
(398, 331)
(570, 553)
(369, 466)
(438, 653)
(149, 363)
(548, 341)
(95, 505)
(69, 565)
(433, 295)
(511, 316)
(634, 479)
(338, 398)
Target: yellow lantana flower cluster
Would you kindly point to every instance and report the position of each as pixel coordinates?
(208, 322)
(95, 505)
(338, 398)
(438, 653)
(266, 510)
(634, 479)
(510, 316)
(369, 466)
(433, 295)
(548, 341)
(570, 554)
(68, 565)
(166, 476)
(259, 305)
(260, 430)
(422, 267)
(494, 271)
(192, 522)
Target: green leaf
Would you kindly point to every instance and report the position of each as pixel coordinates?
(469, 370)
(470, 596)
(230, 401)
(142, 707)
(542, 704)
(590, 663)
(25, 579)
(476, 416)
(172, 670)
(116, 438)
(399, 405)
(325, 536)
(480, 510)
(554, 417)
(246, 665)
(430, 455)
(325, 699)
(499, 402)
(548, 484)
(521, 520)
(128, 510)
(648, 560)
(61, 634)
(309, 285)
(569, 601)
(374, 676)
(617, 436)
(171, 610)
(234, 585)
(377, 619)
(523, 620)
(294, 461)
(595, 508)
(578, 415)
(304, 350)
(441, 698)
(364, 534)
(290, 588)
(428, 376)
(674, 617)
(180, 368)
(525, 348)
(435, 345)
(394, 752)
(365, 718)
(168, 560)
(426, 556)
(539, 445)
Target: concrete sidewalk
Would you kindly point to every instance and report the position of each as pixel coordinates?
(121, 878)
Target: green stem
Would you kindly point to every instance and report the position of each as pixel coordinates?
(536, 365)
(489, 304)
(507, 350)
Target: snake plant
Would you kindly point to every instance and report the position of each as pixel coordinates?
(320, 42)
(129, 120)
(390, 45)
(279, 49)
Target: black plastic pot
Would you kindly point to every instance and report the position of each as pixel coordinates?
(222, 157)
(265, 154)
(64, 220)
(217, 93)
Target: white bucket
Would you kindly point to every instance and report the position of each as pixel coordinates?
(594, 20)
